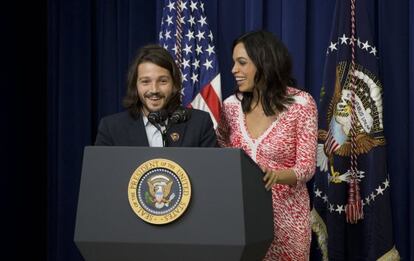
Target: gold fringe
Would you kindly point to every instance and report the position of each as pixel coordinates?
(391, 255)
(319, 228)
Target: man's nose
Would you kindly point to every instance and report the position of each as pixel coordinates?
(154, 87)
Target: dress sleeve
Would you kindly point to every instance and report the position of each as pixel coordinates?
(306, 146)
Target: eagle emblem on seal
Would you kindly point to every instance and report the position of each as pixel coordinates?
(159, 188)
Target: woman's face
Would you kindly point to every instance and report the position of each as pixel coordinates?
(243, 69)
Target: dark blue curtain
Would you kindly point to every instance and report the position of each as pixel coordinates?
(90, 45)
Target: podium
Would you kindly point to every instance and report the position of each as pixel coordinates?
(229, 215)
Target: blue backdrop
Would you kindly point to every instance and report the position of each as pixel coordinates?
(90, 45)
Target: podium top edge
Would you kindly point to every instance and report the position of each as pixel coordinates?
(160, 148)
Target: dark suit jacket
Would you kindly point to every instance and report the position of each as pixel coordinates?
(122, 130)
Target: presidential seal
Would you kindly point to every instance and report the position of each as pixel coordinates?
(159, 191)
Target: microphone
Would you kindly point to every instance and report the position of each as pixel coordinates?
(158, 117)
(180, 115)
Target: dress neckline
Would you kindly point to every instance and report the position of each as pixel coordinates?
(245, 130)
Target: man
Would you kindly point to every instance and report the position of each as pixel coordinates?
(154, 86)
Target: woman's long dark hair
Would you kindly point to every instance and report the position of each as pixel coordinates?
(157, 55)
(273, 75)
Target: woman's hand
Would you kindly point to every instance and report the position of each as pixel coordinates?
(270, 178)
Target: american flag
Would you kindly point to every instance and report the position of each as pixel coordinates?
(186, 35)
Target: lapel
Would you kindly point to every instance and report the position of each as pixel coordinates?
(175, 135)
(137, 134)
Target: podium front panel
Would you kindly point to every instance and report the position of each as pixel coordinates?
(219, 222)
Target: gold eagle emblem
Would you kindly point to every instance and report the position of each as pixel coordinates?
(159, 188)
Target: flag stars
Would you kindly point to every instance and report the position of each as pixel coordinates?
(199, 49)
(373, 51)
(191, 20)
(359, 43)
(202, 21)
(200, 35)
(194, 78)
(210, 35)
(207, 64)
(190, 35)
(195, 54)
(193, 6)
(340, 209)
(210, 50)
(187, 49)
(365, 46)
(185, 63)
(167, 35)
(380, 190)
(184, 76)
(175, 49)
(171, 6)
(183, 5)
(169, 20)
(196, 64)
(344, 39)
(332, 46)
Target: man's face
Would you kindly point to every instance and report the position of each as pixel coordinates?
(154, 85)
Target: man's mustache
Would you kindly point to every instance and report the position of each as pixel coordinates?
(150, 95)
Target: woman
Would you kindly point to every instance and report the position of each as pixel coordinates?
(276, 125)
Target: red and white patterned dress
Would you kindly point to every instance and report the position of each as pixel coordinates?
(290, 142)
